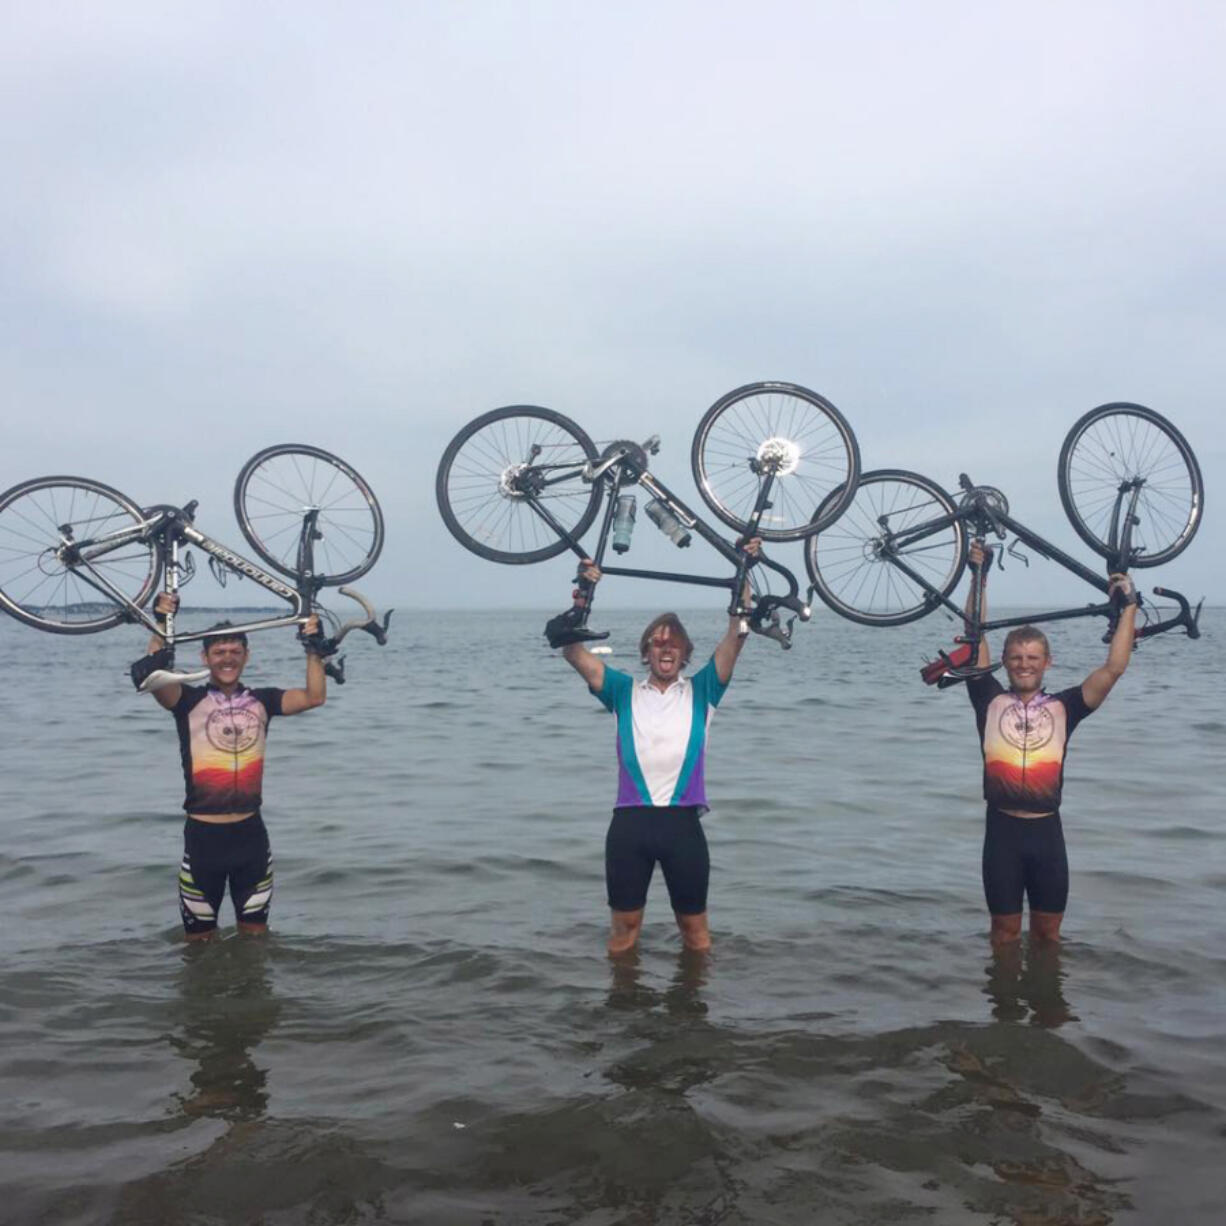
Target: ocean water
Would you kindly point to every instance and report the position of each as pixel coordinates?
(433, 1034)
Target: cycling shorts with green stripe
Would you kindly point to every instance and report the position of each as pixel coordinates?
(217, 854)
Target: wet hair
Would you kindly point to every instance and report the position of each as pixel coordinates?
(217, 634)
(672, 623)
(1026, 634)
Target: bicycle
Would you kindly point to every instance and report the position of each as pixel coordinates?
(522, 484)
(1128, 481)
(79, 557)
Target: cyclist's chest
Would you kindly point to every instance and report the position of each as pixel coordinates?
(234, 726)
(1013, 727)
(665, 717)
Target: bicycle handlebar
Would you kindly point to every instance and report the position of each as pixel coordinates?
(325, 647)
(1187, 617)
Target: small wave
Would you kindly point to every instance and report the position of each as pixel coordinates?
(1183, 833)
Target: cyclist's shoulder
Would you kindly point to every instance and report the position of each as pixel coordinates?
(982, 689)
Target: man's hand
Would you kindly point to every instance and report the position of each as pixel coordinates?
(979, 554)
(589, 572)
(164, 604)
(753, 547)
(1122, 585)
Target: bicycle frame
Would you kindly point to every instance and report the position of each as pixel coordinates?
(170, 528)
(981, 518)
(624, 465)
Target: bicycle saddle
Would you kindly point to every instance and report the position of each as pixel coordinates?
(156, 671)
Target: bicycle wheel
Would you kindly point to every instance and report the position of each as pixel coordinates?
(279, 485)
(1117, 444)
(851, 565)
(789, 431)
(52, 536)
(502, 462)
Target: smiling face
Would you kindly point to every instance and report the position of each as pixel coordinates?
(225, 660)
(1026, 661)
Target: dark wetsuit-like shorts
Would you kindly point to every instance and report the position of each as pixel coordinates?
(217, 854)
(640, 836)
(1024, 857)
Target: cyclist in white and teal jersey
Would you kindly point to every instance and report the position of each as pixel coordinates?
(662, 723)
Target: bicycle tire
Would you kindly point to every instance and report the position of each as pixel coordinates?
(474, 484)
(37, 587)
(1120, 442)
(849, 569)
(279, 484)
(797, 428)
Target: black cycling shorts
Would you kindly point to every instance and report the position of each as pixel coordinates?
(1024, 857)
(642, 835)
(217, 854)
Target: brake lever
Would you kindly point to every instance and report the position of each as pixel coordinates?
(336, 670)
(773, 630)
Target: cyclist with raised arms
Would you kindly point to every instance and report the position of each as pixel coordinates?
(222, 728)
(1023, 734)
(661, 748)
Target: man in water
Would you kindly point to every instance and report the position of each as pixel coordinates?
(1024, 733)
(222, 728)
(661, 747)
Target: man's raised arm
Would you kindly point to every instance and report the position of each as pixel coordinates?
(1096, 687)
(588, 666)
(164, 603)
(728, 649)
(316, 692)
(979, 557)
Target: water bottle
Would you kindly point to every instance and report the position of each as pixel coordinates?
(668, 523)
(623, 523)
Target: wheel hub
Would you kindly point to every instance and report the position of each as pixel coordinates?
(509, 481)
(53, 561)
(780, 456)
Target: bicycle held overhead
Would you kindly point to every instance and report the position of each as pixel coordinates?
(78, 557)
(523, 483)
(1128, 481)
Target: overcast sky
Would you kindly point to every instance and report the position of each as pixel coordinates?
(361, 225)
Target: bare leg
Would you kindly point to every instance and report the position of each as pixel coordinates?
(1006, 929)
(255, 930)
(624, 930)
(1045, 925)
(694, 930)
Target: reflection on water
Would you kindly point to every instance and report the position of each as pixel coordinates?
(683, 996)
(228, 1008)
(1026, 983)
